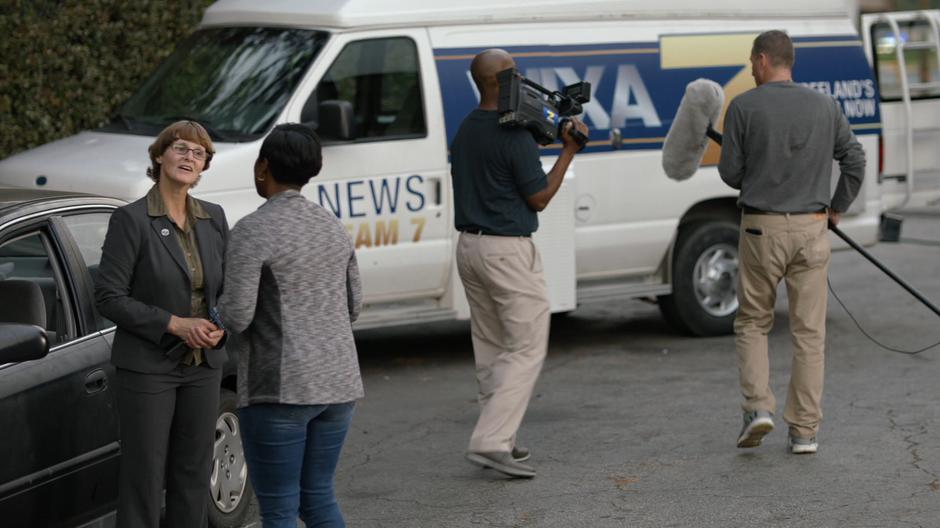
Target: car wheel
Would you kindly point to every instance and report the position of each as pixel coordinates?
(704, 296)
(229, 488)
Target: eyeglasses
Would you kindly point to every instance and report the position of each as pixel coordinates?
(181, 149)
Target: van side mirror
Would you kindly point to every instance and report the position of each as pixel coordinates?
(22, 342)
(336, 121)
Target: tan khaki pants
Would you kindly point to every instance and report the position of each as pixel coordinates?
(794, 248)
(509, 322)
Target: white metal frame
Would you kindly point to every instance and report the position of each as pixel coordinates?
(900, 46)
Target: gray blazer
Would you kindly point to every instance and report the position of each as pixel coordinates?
(143, 278)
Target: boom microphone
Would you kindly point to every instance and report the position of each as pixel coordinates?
(688, 136)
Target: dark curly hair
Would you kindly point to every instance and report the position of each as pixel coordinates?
(293, 153)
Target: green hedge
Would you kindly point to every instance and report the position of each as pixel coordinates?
(66, 65)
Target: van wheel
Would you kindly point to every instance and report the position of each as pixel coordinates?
(704, 296)
(229, 488)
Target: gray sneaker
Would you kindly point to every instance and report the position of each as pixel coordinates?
(802, 446)
(756, 425)
(502, 462)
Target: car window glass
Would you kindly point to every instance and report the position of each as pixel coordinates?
(88, 230)
(920, 61)
(380, 78)
(30, 289)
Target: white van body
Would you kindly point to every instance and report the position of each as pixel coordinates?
(618, 228)
(904, 50)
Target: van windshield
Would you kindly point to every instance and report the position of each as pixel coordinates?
(234, 81)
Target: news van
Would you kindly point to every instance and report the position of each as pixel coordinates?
(387, 84)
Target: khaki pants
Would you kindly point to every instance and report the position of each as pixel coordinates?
(509, 322)
(794, 248)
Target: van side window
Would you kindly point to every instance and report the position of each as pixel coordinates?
(380, 79)
(921, 61)
(29, 274)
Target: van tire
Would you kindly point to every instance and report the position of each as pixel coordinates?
(704, 280)
(229, 469)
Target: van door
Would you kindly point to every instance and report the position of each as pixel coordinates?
(384, 176)
(904, 49)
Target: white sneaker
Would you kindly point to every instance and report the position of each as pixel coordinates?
(802, 446)
(756, 425)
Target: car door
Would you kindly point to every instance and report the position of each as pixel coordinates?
(59, 444)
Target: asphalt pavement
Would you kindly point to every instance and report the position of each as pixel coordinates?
(633, 425)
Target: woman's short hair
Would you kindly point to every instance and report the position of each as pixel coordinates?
(186, 130)
(293, 153)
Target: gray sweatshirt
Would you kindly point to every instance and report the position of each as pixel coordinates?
(779, 142)
(292, 291)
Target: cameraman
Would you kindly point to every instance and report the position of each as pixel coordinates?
(499, 186)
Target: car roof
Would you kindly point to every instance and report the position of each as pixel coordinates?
(10, 196)
(15, 200)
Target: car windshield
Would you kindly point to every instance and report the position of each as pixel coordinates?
(234, 81)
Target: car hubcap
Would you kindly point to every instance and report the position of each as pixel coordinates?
(229, 471)
(715, 278)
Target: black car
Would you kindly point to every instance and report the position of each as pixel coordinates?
(59, 448)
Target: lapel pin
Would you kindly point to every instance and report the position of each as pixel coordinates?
(165, 232)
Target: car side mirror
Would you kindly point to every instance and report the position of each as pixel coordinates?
(22, 342)
(336, 121)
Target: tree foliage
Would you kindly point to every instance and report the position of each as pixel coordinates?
(66, 65)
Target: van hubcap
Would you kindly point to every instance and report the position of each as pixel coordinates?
(715, 279)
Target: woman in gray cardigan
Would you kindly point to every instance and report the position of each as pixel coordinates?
(292, 291)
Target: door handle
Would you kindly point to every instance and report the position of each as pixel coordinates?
(616, 138)
(436, 196)
(96, 381)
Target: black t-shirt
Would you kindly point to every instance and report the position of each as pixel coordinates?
(494, 169)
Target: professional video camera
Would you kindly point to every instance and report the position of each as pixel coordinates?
(541, 111)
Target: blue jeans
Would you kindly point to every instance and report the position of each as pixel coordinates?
(292, 453)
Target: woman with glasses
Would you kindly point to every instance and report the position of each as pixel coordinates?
(292, 292)
(158, 281)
